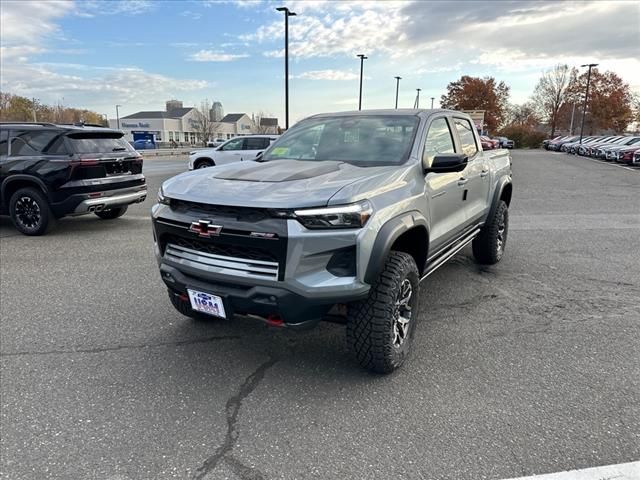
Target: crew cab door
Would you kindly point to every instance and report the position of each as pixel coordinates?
(475, 179)
(443, 194)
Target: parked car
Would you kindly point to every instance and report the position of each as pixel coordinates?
(491, 143)
(626, 154)
(611, 151)
(567, 147)
(556, 145)
(506, 142)
(545, 143)
(590, 149)
(636, 158)
(235, 150)
(215, 143)
(50, 171)
(347, 209)
(144, 144)
(600, 151)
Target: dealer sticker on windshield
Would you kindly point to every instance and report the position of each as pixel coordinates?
(207, 303)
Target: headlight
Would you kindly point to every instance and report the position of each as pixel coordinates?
(354, 215)
(161, 198)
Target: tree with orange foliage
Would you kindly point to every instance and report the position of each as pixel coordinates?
(473, 93)
(610, 101)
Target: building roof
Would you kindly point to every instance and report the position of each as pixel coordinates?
(232, 117)
(268, 122)
(175, 113)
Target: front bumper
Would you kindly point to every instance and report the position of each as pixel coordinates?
(286, 276)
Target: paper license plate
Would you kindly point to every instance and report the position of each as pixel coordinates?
(206, 303)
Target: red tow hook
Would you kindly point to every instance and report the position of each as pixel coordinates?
(183, 297)
(274, 321)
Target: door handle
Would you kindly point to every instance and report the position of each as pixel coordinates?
(484, 173)
(462, 181)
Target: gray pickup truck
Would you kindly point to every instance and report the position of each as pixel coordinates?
(342, 217)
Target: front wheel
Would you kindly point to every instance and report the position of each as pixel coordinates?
(489, 245)
(112, 213)
(380, 329)
(203, 163)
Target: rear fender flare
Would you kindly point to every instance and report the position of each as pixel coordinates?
(502, 183)
(23, 178)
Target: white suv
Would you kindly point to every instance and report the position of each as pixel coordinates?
(235, 150)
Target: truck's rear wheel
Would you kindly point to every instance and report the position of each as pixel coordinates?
(489, 245)
(380, 328)
(112, 213)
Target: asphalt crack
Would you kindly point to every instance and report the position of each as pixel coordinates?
(121, 347)
(233, 409)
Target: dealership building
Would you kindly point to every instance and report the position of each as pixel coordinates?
(180, 124)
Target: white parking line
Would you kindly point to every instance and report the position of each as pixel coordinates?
(621, 471)
(602, 162)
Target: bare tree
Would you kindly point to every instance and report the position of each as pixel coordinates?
(203, 125)
(260, 128)
(552, 92)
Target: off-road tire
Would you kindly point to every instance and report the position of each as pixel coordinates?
(203, 163)
(184, 307)
(35, 201)
(488, 246)
(112, 213)
(370, 322)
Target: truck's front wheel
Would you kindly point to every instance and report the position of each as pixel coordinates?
(380, 328)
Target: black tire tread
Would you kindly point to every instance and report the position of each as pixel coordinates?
(370, 321)
(48, 219)
(485, 244)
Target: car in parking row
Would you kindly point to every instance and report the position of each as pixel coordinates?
(237, 149)
(612, 148)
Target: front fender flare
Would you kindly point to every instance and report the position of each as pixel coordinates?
(387, 235)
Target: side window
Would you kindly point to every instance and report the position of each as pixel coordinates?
(33, 142)
(234, 144)
(467, 138)
(439, 140)
(256, 143)
(4, 143)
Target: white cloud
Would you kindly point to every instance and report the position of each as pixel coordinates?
(92, 8)
(328, 75)
(192, 15)
(213, 56)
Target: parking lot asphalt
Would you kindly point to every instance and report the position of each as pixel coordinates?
(529, 366)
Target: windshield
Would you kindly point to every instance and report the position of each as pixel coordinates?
(360, 139)
(96, 142)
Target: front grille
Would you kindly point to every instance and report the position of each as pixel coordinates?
(222, 264)
(243, 214)
(225, 250)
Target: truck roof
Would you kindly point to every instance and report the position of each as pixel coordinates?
(387, 111)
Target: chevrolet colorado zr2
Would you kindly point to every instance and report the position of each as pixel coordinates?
(346, 212)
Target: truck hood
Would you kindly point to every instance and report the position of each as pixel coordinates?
(273, 184)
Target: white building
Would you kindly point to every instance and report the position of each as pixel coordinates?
(179, 125)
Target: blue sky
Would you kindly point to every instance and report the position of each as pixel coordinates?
(95, 54)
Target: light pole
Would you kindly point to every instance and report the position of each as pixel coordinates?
(362, 59)
(118, 116)
(432, 99)
(397, 88)
(287, 14)
(586, 96)
(573, 112)
(417, 102)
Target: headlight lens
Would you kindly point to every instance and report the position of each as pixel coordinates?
(161, 197)
(354, 215)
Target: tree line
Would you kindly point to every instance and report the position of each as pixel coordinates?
(555, 105)
(14, 108)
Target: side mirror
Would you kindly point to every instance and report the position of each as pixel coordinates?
(258, 157)
(448, 162)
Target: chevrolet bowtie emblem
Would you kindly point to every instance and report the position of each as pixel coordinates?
(204, 228)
